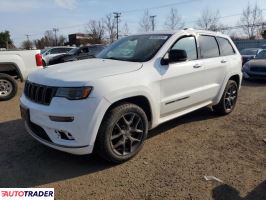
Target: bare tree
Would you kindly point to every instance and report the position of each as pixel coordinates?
(27, 44)
(110, 27)
(96, 30)
(49, 38)
(145, 22)
(125, 29)
(250, 20)
(174, 20)
(209, 20)
(61, 40)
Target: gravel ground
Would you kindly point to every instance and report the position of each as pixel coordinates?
(174, 160)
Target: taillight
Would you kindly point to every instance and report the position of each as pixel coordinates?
(38, 58)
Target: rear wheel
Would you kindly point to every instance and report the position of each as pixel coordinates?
(8, 87)
(122, 133)
(228, 100)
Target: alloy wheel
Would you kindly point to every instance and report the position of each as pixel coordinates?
(127, 134)
(230, 97)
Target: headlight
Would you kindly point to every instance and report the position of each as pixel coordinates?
(74, 93)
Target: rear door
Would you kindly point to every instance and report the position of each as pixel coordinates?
(228, 54)
(213, 64)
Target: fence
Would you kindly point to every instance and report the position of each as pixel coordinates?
(243, 44)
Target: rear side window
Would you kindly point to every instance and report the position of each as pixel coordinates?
(208, 47)
(189, 45)
(226, 48)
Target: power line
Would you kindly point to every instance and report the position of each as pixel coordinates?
(161, 6)
(222, 17)
(137, 10)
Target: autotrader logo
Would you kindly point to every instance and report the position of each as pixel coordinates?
(26, 193)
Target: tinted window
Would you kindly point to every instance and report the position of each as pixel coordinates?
(95, 49)
(55, 51)
(189, 45)
(208, 47)
(226, 48)
(249, 52)
(59, 50)
(261, 55)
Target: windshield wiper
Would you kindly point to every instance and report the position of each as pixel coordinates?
(114, 58)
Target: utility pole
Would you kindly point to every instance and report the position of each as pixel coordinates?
(55, 30)
(152, 21)
(28, 37)
(28, 46)
(117, 16)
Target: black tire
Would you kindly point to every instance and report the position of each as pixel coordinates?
(43, 63)
(115, 131)
(8, 87)
(228, 101)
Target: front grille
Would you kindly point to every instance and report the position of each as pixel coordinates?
(39, 93)
(258, 69)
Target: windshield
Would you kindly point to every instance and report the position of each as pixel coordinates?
(43, 51)
(136, 48)
(73, 51)
(249, 52)
(261, 55)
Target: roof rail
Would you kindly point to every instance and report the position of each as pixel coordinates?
(188, 29)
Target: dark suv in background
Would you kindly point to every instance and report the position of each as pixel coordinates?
(78, 53)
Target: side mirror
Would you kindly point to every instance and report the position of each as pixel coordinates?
(177, 55)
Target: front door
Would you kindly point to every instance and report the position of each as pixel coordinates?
(182, 82)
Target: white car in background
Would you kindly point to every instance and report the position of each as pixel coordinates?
(109, 103)
(50, 52)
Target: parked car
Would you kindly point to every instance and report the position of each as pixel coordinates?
(16, 65)
(108, 104)
(79, 53)
(256, 68)
(49, 53)
(249, 54)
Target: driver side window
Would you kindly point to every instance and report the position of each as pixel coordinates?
(187, 44)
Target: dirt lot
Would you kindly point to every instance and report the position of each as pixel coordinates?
(171, 165)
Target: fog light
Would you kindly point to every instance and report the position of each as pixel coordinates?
(61, 119)
(64, 135)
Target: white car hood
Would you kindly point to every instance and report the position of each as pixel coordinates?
(79, 73)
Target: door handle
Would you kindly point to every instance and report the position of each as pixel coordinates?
(223, 61)
(197, 66)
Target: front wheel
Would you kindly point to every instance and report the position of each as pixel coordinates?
(122, 133)
(228, 100)
(8, 87)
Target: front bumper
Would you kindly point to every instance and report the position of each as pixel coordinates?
(83, 129)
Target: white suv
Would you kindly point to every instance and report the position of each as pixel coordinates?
(109, 103)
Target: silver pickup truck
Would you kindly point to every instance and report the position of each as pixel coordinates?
(16, 65)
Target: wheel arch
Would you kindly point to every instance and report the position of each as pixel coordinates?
(11, 69)
(139, 100)
(234, 76)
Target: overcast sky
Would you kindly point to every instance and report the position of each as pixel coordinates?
(33, 17)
